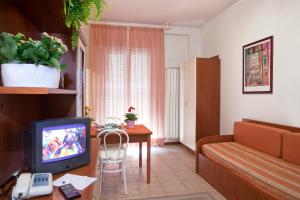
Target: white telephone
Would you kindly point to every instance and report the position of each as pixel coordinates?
(32, 185)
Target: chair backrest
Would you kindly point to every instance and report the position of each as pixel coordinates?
(120, 139)
(111, 122)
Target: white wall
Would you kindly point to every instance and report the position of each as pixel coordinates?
(181, 44)
(243, 23)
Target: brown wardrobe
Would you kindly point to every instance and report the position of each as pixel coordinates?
(200, 99)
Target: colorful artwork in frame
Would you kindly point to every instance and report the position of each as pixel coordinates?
(258, 66)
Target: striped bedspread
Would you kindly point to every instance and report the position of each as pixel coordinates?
(274, 176)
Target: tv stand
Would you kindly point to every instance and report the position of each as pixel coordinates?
(88, 170)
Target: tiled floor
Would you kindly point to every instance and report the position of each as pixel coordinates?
(172, 172)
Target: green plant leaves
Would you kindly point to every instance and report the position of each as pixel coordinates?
(8, 48)
(130, 116)
(77, 12)
(47, 51)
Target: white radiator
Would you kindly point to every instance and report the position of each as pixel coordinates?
(172, 104)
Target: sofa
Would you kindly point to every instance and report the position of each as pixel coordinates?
(255, 162)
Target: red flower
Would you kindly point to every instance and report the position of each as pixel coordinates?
(130, 109)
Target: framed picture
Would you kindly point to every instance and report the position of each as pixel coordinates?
(258, 66)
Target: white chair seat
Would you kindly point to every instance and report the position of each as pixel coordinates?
(112, 153)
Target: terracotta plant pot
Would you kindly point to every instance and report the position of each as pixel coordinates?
(130, 124)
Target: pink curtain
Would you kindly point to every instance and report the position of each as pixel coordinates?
(127, 69)
(108, 65)
(148, 46)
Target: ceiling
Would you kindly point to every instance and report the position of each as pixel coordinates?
(174, 12)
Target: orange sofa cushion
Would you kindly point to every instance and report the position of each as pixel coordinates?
(291, 147)
(263, 138)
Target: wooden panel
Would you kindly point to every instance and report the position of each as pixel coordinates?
(16, 114)
(34, 90)
(208, 97)
(58, 106)
(13, 21)
(46, 15)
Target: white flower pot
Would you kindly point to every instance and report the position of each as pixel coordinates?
(29, 75)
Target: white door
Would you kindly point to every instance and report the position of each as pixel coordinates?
(189, 104)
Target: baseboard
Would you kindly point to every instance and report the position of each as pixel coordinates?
(184, 146)
(188, 149)
(172, 143)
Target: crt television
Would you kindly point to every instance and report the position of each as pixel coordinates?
(58, 145)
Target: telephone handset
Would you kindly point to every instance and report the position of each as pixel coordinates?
(32, 185)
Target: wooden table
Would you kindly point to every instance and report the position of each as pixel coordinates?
(138, 134)
(88, 170)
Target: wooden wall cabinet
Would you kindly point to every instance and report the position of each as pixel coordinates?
(200, 100)
(20, 106)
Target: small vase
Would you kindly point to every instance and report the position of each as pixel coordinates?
(130, 124)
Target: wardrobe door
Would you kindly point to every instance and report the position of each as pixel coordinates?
(208, 97)
(190, 104)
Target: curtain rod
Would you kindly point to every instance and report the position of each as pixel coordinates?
(130, 24)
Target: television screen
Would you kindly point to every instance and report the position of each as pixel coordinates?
(63, 142)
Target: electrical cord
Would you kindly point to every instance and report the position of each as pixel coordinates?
(5, 193)
(11, 182)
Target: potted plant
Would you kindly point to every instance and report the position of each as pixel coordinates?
(130, 117)
(78, 12)
(31, 63)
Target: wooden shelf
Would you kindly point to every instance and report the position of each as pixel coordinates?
(33, 90)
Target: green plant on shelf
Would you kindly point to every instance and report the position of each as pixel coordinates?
(18, 49)
(77, 12)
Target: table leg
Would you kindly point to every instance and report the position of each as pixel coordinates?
(140, 154)
(148, 159)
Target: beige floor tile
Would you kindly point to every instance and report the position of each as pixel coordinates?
(167, 177)
(133, 191)
(108, 194)
(179, 168)
(108, 182)
(195, 185)
(151, 189)
(130, 179)
(184, 175)
(216, 194)
(172, 172)
(174, 187)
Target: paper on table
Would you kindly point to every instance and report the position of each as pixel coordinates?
(79, 182)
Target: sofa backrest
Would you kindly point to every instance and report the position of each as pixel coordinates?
(263, 138)
(291, 147)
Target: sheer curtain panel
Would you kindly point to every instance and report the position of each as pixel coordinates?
(127, 69)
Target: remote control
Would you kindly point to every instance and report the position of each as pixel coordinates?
(69, 191)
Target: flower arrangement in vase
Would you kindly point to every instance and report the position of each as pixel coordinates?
(130, 117)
